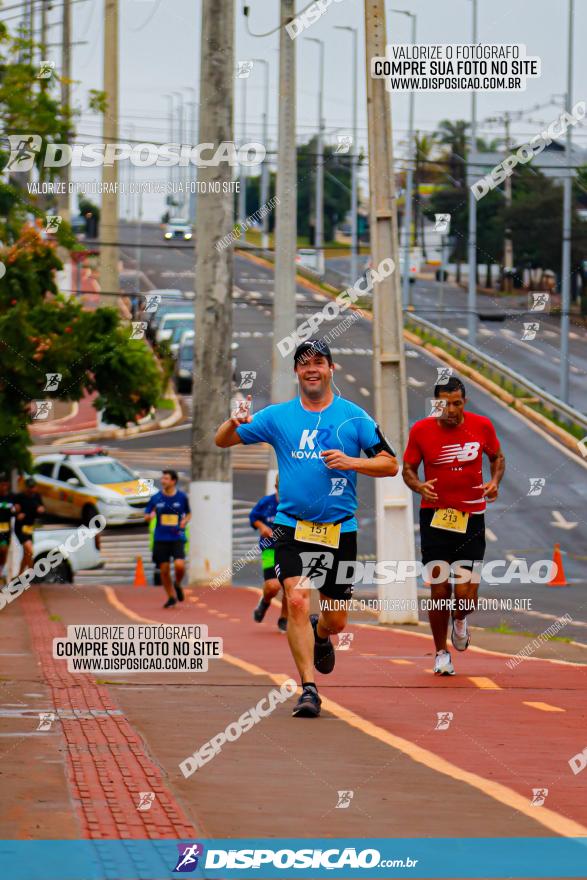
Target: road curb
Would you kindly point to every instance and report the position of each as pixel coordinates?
(497, 391)
(492, 388)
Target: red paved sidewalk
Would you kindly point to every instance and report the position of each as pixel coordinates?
(107, 762)
(84, 418)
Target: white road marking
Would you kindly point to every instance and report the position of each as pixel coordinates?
(559, 522)
(350, 378)
(463, 331)
(365, 392)
(491, 536)
(483, 331)
(415, 383)
(410, 353)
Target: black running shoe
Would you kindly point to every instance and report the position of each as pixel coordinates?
(324, 657)
(282, 624)
(308, 705)
(179, 593)
(261, 610)
(170, 602)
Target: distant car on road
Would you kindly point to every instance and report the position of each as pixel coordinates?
(308, 258)
(172, 325)
(178, 227)
(184, 366)
(78, 484)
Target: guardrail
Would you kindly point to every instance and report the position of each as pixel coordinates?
(564, 413)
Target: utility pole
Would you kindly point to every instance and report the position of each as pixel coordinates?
(65, 172)
(109, 256)
(407, 230)
(180, 195)
(472, 297)
(354, 161)
(191, 171)
(43, 40)
(284, 304)
(211, 478)
(319, 216)
(265, 165)
(508, 246)
(242, 190)
(170, 197)
(393, 499)
(567, 224)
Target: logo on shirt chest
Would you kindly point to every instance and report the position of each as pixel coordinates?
(456, 452)
(311, 443)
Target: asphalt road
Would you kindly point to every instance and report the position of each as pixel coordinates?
(537, 359)
(520, 525)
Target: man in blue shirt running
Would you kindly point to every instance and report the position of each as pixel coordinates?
(172, 509)
(262, 517)
(318, 438)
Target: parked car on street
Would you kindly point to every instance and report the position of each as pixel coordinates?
(86, 554)
(78, 484)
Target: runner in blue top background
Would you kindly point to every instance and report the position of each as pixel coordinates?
(172, 509)
(318, 438)
(262, 517)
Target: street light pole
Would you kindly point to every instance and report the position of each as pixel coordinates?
(472, 297)
(319, 228)
(180, 195)
(567, 223)
(407, 230)
(354, 161)
(265, 165)
(393, 499)
(242, 192)
(191, 139)
(171, 130)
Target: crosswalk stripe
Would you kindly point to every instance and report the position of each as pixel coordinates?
(119, 551)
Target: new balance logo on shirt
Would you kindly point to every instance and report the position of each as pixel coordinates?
(455, 452)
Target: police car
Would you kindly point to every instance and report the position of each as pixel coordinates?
(78, 484)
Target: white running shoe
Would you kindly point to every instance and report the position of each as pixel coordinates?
(460, 636)
(443, 664)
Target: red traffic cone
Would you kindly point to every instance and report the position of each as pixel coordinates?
(558, 579)
(140, 579)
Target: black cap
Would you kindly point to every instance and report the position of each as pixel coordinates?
(311, 347)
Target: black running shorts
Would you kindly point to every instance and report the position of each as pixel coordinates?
(320, 564)
(165, 551)
(445, 546)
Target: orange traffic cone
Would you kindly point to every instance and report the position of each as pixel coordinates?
(558, 579)
(140, 579)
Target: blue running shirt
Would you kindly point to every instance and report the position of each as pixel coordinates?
(169, 510)
(307, 488)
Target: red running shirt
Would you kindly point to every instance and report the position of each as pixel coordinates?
(455, 456)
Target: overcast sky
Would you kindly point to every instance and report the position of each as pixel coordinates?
(160, 49)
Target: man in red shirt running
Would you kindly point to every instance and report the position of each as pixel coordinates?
(454, 496)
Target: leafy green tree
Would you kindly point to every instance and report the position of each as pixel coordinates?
(41, 331)
(337, 186)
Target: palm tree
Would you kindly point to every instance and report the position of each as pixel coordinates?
(424, 171)
(491, 146)
(453, 135)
